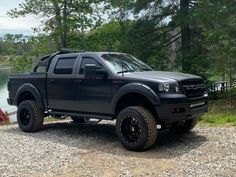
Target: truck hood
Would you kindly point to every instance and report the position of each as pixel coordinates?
(160, 76)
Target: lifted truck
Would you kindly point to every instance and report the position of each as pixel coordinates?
(108, 85)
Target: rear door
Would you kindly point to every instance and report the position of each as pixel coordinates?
(61, 82)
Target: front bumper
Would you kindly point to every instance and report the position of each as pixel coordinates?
(178, 107)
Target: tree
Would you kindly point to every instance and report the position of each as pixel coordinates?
(185, 34)
(61, 17)
(181, 25)
(170, 24)
(218, 22)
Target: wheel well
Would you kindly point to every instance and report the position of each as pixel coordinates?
(135, 99)
(26, 95)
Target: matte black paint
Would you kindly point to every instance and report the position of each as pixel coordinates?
(74, 95)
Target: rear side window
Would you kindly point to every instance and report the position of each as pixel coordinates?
(87, 60)
(64, 66)
(41, 69)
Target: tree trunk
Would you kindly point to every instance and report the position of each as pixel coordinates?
(58, 23)
(65, 13)
(230, 82)
(185, 35)
(230, 88)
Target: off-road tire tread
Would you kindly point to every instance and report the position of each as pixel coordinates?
(38, 115)
(151, 123)
(151, 127)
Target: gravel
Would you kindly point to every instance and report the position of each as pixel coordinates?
(66, 149)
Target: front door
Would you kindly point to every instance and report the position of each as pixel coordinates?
(94, 95)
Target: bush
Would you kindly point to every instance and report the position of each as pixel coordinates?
(219, 112)
(21, 64)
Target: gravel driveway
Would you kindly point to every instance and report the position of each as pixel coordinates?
(66, 149)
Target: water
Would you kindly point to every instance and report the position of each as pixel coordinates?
(4, 73)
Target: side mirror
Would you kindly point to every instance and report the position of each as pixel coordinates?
(90, 71)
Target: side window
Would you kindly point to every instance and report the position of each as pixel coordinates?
(64, 66)
(88, 60)
(41, 69)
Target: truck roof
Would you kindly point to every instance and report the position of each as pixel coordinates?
(97, 53)
(46, 60)
(72, 51)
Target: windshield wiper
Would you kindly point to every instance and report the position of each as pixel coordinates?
(126, 71)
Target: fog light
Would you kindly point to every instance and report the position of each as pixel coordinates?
(205, 94)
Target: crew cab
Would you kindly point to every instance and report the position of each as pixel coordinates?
(108, 85)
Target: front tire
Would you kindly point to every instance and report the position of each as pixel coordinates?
(136, 128)
(29, 116)
(184, 127)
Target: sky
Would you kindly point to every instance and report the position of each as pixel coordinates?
(18, 25)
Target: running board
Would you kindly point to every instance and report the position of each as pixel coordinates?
(97, 116)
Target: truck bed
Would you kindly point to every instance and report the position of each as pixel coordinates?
(16, 81)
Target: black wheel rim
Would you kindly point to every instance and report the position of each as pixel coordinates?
(130, 130)
(25, 117)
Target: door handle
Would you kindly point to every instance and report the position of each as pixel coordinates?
(51, 82)
(78, 82)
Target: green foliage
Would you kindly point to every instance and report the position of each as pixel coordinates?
(17, 47)
(219, 119)
(215, 21)
(109, 37)
(220, 113)
(209, 26)
(127, 36)
(62, 16)
(6, 59)
(21, 64)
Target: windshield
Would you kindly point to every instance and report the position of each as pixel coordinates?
(121, 63)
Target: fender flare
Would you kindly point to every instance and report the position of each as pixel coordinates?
(138, 88)
(33, 90)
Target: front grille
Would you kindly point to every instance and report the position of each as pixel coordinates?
(193, 88)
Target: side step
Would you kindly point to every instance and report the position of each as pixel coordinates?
(97, 116)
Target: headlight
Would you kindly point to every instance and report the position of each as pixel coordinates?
(166, 87)
(169, 88)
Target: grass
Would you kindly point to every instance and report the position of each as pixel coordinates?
(52, 119)
(4, 123)
(219, 119)
(220, 113)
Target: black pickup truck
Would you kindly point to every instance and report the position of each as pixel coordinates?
(108, 85)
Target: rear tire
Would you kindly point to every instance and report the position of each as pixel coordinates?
(78, 120)
(184, 127)
(136, 128)
(29, 116)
